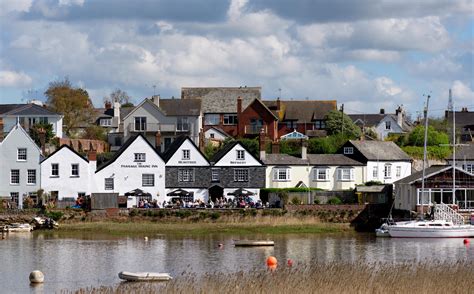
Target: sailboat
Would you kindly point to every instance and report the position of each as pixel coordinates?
(446, 223)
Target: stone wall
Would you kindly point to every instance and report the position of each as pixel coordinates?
(202, 177)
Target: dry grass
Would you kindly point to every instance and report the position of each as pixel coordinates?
(333, 277)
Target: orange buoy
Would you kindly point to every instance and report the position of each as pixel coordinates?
(272, 267)
(466, 241)
(290, 262)
(272, 261)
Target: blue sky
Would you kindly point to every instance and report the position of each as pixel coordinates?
(367, 54)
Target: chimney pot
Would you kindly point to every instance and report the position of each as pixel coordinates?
(92, 155)
(275, 147)
(382, 111)
(108, 105)
(158, 140)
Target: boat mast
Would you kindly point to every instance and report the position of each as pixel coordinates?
(424, 154)
(454, 146)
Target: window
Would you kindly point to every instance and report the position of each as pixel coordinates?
(215, 174)
(398, 171)
(140, 123)
(109, 183)
(375, 172)
(348, 150)
(469, 168)
(148, 180)
(43, 120)
(21, 154)
(211, 136)
(186, 154)
(15, 176)
(230, 119)
(106, 122)
(290, 124)
(388, 171)
(388, 125)
(31, 177)
(241, 175)
(186, 175)
(55, 169)
(320, 124)
(14, 197)
(321, 174)
(75, 169)
(281, 174)
(140, 157)
(211, 119)
(183, 124)
(345, 174)
(240, 154)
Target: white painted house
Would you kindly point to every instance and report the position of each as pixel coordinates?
(137, 165)
(65, 174)
(19, 166)
(187, 169)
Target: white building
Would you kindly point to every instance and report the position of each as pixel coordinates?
(66, 174)
(19, 166)
(137, 165)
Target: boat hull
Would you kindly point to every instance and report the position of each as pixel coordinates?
(426, 232)
(145, 276)
(249, 243)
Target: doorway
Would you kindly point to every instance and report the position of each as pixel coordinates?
(216, 192)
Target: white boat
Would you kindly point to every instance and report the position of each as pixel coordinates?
(248, 243)
(144, 276)
(382, 231)
(430, 229)
(17, 227)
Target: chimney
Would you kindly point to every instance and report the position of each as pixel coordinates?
(261, 144)
(156, 99)
(239, 113)
(92, 157)
(278, 104)
(382, 111)
(275, 147)
(158, 141)
(202, 141)
(400, 112)
(1, 130)
(117, 110)
(304, 149)
(108, 105)
(42, 138)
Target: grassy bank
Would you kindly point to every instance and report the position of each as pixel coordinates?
(336, 277)
(257, 226)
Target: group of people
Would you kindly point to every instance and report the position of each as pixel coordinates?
(222, 202)
(144, 203)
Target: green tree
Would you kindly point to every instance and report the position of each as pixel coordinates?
(341, 123)
(94, 132)
(435, 138)
(252, 145)
(327, 145)
(36, 129)
(73, 103)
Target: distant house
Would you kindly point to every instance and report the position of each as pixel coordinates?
(464, 158)
(20, 166)
(215, 134)
(464, 123)
(385, 161)
(305, 116)
(28, 115)
(383, 124)
(257, 117)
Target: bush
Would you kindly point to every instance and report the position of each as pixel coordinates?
(133, 212)
(317, 201)
(55, 215)
(215, 215)
(334, 201)
(435, 138)
(295, 200)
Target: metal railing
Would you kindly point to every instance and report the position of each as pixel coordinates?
(444, 212)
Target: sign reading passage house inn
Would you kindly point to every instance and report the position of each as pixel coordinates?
(139, 165)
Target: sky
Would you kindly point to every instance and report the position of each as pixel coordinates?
(367, 54)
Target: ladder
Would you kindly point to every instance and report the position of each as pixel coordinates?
(444, 212)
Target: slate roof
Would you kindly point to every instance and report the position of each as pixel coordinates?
(181, 107)
(68, 147)
(25, 109)
(372, 120)
(302, 110)
(284, 159)
(464, 153)
(430, 171)
(380, 150)
(219, 130)
(173, 147)
(221, 153)
(332, 159)
(222, 99)
(463, 118)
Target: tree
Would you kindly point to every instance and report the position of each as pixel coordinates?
(73, 103)
(435, 138)
(94, 132)
(119, 96)
(36, 129)
(341, 123)
(327, 145)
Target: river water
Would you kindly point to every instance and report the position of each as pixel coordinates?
(83, 260)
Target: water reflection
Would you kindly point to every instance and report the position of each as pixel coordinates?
(74, 261)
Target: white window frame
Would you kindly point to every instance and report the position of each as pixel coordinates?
(15, 196)
(53, 169)
(388, 125)
(73, 165)
(139, 157)
(210, 119)
(186, 175)
(106, 122)
(182, 124)
(345, 174)
(142, 124)
(215, 174)
(231, 119)
(148, 180)
(468, 167)
(398, 171)
(186, 154)
(31, 177)
(317, 174)
(281, 174)
(387, 171)
(375, 172)
(109, 184)
(240, 154)
(23, 153)
(348, 150)
(12, 177)
(241, 175)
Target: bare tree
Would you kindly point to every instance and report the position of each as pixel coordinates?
(119, 96)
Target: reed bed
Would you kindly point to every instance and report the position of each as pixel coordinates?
(335, 277)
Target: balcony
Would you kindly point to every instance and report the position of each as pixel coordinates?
(155, 127)
(255, 129)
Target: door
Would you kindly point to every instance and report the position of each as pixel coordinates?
(216, 192)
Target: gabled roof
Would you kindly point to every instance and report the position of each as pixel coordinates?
(67, 147)
(463, 118)
(175, 147)
(226, 149)
(181, 107)
(367, 120)
(284, 159)
(293, 135)
(221, 99)
(380, 150)
(25, 109)
(303, 111)
(146, 100)
(264, 107)
(332, 160)
(464, 153)
(219, 130)
(429, 172)
(20, 129)
(123, 148)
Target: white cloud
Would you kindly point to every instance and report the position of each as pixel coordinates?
(14, 79)
(71, 2)
(8, 6)
(463, 93)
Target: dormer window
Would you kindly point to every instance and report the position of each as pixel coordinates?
(106, 122)
(388, 125)
(186, 154)
(240, 155)
(348, 150)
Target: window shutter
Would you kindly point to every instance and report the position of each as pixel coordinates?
(288, 174)
(352, 174)
(275, 174)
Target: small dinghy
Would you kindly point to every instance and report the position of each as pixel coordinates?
(144, 276)
(16, 228)
(249, 243)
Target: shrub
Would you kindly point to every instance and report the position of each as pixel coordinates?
(215, 215)
(334, 201)
(55, 215)
(133, 212)
(317, 201)
(295, 200)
